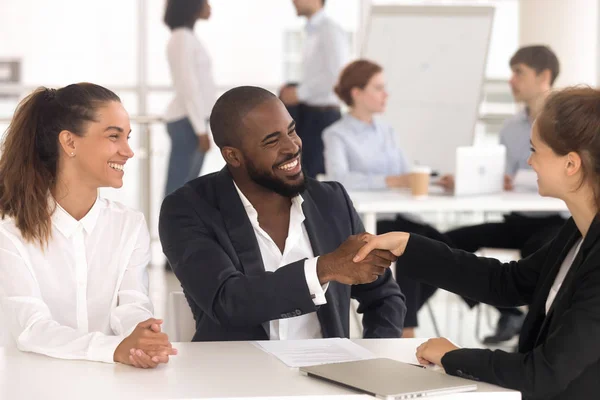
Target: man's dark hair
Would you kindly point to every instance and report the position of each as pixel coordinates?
(539, 58)
(323, 2)
(229, 111)
(182, 13)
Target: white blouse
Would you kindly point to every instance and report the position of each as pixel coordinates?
(87, 290)
(193, 81)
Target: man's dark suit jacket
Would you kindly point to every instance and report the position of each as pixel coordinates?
(211, 246)
(559, 353)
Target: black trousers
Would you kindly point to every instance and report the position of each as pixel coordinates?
(519, 232)
(416, 293)
(310, 123)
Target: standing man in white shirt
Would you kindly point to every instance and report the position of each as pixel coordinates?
(312, 103)
(195, 91)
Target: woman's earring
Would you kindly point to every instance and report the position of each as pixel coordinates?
(72, 154)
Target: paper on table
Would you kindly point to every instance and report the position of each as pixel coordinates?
(304, 353)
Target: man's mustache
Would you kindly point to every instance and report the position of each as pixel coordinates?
(289, 158)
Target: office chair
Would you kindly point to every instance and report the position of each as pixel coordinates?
(182, 325)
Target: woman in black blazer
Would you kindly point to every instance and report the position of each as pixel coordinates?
(559, 346)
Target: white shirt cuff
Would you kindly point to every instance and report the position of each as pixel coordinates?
(317, 291)
(102, 348)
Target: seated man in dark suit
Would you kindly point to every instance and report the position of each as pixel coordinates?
(263, 252)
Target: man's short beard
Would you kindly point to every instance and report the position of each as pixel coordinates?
(276, 185)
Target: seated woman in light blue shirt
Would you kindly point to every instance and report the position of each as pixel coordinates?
(363, 153)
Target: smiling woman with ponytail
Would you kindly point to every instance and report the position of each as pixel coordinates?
(73, 277)
(30, 153)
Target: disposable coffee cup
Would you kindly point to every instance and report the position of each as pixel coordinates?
(419, 180)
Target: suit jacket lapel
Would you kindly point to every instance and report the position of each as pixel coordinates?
(551, 276)
(239, 228)
(588, 242)
(537, 311)
(321, 243)
(314, 224)
(549, 282)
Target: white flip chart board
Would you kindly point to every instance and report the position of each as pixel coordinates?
(434, 60)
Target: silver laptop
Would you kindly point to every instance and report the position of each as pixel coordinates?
(479, 170)
(389, 379)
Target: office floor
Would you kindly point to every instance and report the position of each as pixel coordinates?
(454, 319)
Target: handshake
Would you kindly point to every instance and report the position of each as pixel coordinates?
(342, 265)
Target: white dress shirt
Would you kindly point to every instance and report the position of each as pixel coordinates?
(297, 247)
(87, 290)
(562, 273)
(192, 76)
(325, 53)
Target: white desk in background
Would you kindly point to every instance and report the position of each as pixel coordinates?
(200, 371)
(369, 204)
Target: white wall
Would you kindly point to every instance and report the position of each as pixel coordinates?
(570, 27)
(62, 41)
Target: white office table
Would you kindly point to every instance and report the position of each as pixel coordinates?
(200, 371)
(369, 204)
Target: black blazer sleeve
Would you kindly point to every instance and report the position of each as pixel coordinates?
(381, 302)
(552, 366)
(209, 276)
(570, 346)
(483, 279)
